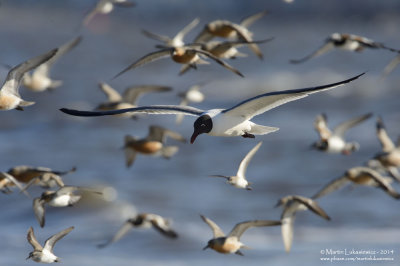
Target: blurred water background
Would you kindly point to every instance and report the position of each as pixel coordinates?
(362, 218)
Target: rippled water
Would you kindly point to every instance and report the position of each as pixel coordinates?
(362, 218)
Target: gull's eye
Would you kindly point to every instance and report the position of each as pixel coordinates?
(202, 125)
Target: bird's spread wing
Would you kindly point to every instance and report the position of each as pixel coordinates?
(248, 21)
(164, 229)
(39, 210)
(332, 186)
(163, 53)
(162, 38)
(62, 50)
(216, 59)
(159, 134)
(240, 228)
(343, 127)
(321, 125)
(132, 94)
(49, 244)
(245, 162)
(112, 95)
(391, 66)
(384, 139)
(14, 181)
(204, 36)
(245, 35)
(217, 232)
(180, 35)
(287, 230)
(322, 50)
(381, 181)
(124, 3)
(32, 240)
(152, 109)
(267, 101)
(15, 75)
(125, 228)
(312, 205)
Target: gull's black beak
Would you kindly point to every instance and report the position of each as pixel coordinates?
(194, 136)
(206, 247)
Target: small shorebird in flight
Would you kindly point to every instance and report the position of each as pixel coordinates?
(334, 142)
(45, 254)
(348, 42)
(239, 180)
(231, 243)
(144, 220)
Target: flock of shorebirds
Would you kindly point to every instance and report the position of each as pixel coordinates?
(234, 121)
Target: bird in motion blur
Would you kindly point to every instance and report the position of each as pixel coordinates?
(40, 80)
(9, 91)
(186, 55)
(105, 7)
(292, 204)
(128, 99)
(229, 244)
(348, 42)
(144, 220)
(230, 122)
(361, 176)
(45, 254)
(333, 141)
(230, 30)
(63, 197)
(389, 157)
(177, 40)
(154, 144)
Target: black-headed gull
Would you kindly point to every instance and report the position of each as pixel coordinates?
(230, 122)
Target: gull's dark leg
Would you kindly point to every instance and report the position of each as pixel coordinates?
(248, 135)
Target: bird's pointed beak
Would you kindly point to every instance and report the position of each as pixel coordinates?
(27, 258)
(194, 136)
(206, 247)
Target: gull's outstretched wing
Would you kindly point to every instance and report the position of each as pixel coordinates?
(267, 101)
(152, 109)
